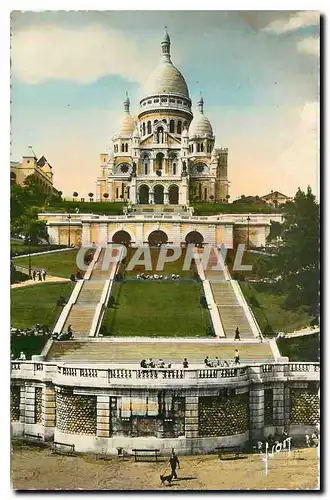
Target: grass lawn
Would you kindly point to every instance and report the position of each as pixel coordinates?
(37, 304)
(174, 267)
(156, 309)
(269, 311)
(29, 345)
(61, 264)
(18, 247)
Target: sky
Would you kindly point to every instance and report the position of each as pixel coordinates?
(258, 73)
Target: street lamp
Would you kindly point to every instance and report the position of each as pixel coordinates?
(248, 232)
(30, 273)
(69, 235)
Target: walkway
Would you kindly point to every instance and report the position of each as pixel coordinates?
(49, 279)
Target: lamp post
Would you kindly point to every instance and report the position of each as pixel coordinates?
(69, 235)
(248, 232)
(30, 273)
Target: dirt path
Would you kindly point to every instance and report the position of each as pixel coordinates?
(34, 468)
(49, 279)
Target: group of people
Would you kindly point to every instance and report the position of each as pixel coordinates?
(41, 274)
(143, 276)
(212, 363)
(312, 440)
(149, 363)
(22, 357)
(34, 331)
(272, 440)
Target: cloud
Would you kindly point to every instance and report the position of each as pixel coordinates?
(309, 45)
(296, 21)
(40, 53)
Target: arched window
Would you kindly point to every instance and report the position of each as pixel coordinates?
(123, 147)
(172, 127)
(185, 124)
(164, 120)
(205, 194)
(146, 164)
(179, 127)
(174, 169)
(198, 148)
(126, 147)
(144, 129)
(117, 192)
(149, 127)
(202, 147)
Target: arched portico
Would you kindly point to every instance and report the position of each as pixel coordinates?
(144, 195)
(122, 238)
(157, 238)
(194, 237)
(159, 194)
(173, 195)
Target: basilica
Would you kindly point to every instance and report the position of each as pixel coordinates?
(167, 154)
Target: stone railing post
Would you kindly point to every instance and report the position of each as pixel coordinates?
(256, 400)
(103, 416)
(29, 413)
(191, 417)
(48, 411)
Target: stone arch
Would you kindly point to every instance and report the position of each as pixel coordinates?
(12, 178)
(143, 194)
(157, 238)
(173, 194)
(122, 237)
(194, 237)
(159, 194)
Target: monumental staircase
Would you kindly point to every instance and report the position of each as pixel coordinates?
(88, 299)
(231, 304)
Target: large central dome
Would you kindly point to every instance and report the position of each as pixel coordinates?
(166, 78)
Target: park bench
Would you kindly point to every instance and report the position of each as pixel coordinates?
(63, 448)
(144, 453)
(29, 438)
(229, 450)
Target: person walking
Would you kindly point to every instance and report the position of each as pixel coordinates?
(237, 334)
(39, 276)
(185, 363)
(174, 462)
(43, 274)
(34, 275)
(236, 357)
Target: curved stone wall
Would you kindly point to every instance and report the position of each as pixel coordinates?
(223, 415)
(75, 414)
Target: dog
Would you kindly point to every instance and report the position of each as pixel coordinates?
(166, 478)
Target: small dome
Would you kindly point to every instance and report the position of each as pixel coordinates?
(127, 123)
(200, 126)
(167, 79)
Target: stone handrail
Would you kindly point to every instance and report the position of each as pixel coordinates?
(102, 375)
(67, 308)
(247, 309)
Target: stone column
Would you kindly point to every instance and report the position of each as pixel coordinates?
(85, 235)
(256, 401)
(132, 191)
(287, 405)
(53, 234)
(48, 411)
(212, 188)
(191, 417)
(139, 233)
(103, 416)
(103, 233)
(166, 198)
(278, 404)
(151, 197)
(110, 190)
(29, 413)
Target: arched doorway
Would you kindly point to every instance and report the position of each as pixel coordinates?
(194, 237)
(144, 195)
(122, 238)
(157, 238)
(173, 195)
(159, 195)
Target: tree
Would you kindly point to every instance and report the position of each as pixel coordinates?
(90, 196)
(106, 195)
(75, 194)
(296, 261)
